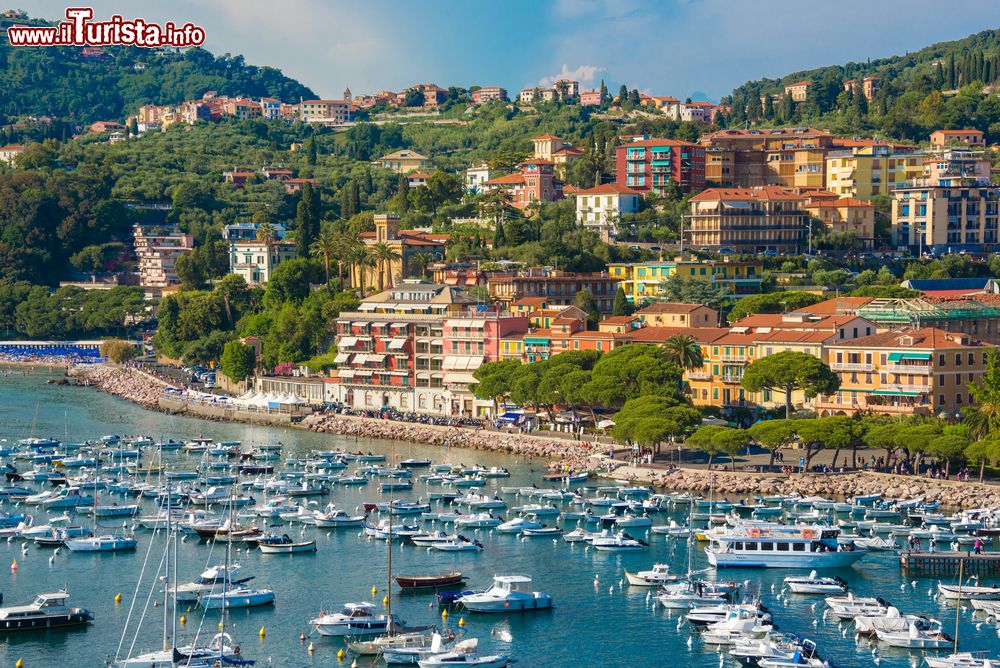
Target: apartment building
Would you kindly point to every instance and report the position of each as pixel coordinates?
(646, 282)
(845, 215)
(866, 86)
(325, 112)
(557, 287)
(476, 176)
(944, 218)
(870, 169)
(256, 260)
(913, 372)
(788, 157)
(674, 314)
(405, 244)
(600, 208)
(158, 249)
(391, 352)
(798, 90)
(655, 165)
(748, 220)
(489, 94)
(974, 138)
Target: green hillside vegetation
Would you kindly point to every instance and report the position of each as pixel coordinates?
(945, 85)
(59, 81)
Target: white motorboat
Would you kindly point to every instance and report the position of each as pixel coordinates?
(383, 530)
(211, 581)
(849, 607)
(464, 654)
(479, 521)
(426, 539)
(738, 624)
(891, 621)
(683, 595)
(457, 544)
(284, 545)
(777, 647)
(335, 519)
(779, 546)
(961, 660)
(241, 597)
(674, 530)
(633, 521)
(915, 637)
(537, 510)
(580, 535)
(656, 576)
(509, 593)
(969, 592)
(541, 532)
(815, 585)
(620, 542)
(705, 615)
(356, 619)
(517, 524)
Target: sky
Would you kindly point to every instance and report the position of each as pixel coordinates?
(697, 48)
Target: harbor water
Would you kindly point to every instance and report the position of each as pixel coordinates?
(598, 620)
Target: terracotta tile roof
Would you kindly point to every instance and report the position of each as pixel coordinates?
(507, 180)
(761, 193)
(530, 301)
(538, 161)
(804, 82)
(767, 132)
(661, 334)
(418, 175)
(608, 189)
(569, 150)
(737, 339)
(838, 305)
(543, 136)
(794, 336)
(668, 307)
(960, 132)
(619, 320)
(928, 337)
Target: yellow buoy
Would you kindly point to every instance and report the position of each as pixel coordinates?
(19, 664)
(385, 600)
(220, 626)
(374, 590)
(262, 632)
(311, 647)
(184, 619)
(461, 621)
(340, 654)
(118, 598)
(444, 614)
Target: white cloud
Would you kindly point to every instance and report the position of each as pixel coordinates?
(585, 74)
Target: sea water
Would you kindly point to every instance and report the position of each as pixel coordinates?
(598, 620)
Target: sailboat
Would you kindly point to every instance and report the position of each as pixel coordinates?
(221, 650)
(239, 596)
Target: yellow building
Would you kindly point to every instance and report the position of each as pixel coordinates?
(404, 244)
(845, 215)
(404, 161)
(645, 282)
(718, 382)
(870, 170)
(913, 372)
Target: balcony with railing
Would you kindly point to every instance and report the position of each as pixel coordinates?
(698, 375)
(852, 366)
(918, 369)
(734, 359)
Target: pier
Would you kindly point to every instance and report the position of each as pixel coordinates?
(946, 563)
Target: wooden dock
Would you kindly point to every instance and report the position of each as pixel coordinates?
(946, 563)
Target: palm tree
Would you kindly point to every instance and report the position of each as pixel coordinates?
(359, 257)
(266, 233)
(384, 256)
(684, 351)
(420, 262)
(325, 246)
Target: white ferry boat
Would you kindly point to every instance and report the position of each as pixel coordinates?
(778, 546)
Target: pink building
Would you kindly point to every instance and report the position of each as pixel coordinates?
(591, 98)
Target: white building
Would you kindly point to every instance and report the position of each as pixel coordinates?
(254, 260)
(601, 208)
(9, 152)
(475, 176)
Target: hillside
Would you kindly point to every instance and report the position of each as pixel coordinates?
(948, 84)
(63, 82)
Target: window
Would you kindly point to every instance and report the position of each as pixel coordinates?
(972, 358)
(750, 546)
(782, 547)
(958, 359)
(767, 547)
(958, 398)
(941, 399)
(798, 547)
(941, 361)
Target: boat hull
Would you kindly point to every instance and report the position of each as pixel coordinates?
(74, 618)
(797, 560)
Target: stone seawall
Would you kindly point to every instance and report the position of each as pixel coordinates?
(841, 485)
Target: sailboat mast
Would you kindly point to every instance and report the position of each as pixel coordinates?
(388, 588)
(958, 604)
(167, 620)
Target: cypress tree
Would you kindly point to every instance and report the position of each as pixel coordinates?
(403, 193)
(604, 91)
(621, 306)
(938, 76)
(622, 95)
(499, 238)
(951, 71)
(306, 220)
